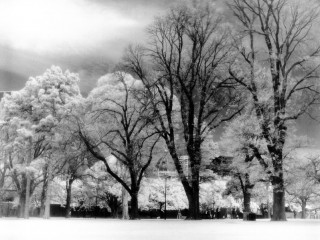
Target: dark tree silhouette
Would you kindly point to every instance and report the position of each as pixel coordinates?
(186, 62)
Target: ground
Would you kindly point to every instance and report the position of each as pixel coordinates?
(96, 229)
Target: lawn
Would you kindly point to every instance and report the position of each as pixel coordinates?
(96, 229)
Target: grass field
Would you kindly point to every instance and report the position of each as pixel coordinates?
(96, 229)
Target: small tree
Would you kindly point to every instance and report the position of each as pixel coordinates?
(102, 189)
(152, 195)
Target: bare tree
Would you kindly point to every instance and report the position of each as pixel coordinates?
(277, 38)
(121, 125)
(185, 61)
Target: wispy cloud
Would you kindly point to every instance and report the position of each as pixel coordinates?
(46, 25)
(85, 36)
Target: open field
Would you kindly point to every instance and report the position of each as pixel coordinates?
(96, 229)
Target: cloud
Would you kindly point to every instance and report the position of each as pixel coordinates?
(127, 5)
(85, 36)
(47, 26)
(17, 66)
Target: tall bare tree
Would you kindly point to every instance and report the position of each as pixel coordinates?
(278, 65)
(185, 62)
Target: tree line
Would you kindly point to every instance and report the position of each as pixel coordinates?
(253, 75)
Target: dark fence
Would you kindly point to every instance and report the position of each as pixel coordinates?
(57, 210)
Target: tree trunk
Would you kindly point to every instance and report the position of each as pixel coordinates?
(125, 208)
(1, 207)
(48, 197)
(69, 196)
(195, 163)
(303, 206)
(246, 191)
(279, 213)
(43, 196)
(246, 201)
(29, 158)
(192, 191)
(194, 205)
(47, 204)
(22, 203)
(268, 203)
(134, 212)
(246, 204)
(193, 199)
(1, 202)
(2, 191)
(113, 204)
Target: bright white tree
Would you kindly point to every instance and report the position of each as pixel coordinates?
(38, 110)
